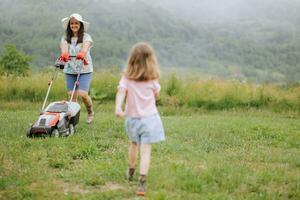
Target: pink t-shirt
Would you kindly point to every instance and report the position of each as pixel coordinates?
(140, 99)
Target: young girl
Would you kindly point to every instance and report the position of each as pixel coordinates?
(139, 84)
(77, 43)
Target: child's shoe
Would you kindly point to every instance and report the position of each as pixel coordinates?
(141, 191)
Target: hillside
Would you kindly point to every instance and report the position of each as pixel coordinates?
(258, 47)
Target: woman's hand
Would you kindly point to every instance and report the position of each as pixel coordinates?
(80, 55)
(65, 56)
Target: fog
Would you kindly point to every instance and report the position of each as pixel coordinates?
(194, 11)
(228, 11)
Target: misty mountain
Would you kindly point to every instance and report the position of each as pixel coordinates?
(254, 39)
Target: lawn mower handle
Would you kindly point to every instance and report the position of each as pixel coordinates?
(49, 88)
(61, 64)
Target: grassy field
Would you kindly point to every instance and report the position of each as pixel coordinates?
(179, 90)
(245, 154)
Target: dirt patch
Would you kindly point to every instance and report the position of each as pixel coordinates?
(79, 189)
(111, 186)
(71, 188)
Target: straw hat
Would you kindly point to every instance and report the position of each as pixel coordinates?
(65, 21)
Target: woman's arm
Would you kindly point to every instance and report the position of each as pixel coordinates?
(85, 47)
(64, 47)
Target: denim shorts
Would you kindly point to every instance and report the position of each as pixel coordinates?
(145, 130)
(84, 81)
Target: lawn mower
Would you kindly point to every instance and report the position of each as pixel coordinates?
(59, 118)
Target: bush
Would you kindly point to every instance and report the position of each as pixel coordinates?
(173, 85)
(14, 62)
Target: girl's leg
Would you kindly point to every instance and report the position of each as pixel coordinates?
(132, 157)
(132, 154)
(145, 157)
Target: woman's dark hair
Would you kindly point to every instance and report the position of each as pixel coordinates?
(69, 33)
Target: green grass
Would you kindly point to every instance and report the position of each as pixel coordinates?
(244, 154)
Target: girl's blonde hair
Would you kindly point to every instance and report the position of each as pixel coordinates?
(142, 63)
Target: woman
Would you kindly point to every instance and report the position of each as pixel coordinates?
(75, 52)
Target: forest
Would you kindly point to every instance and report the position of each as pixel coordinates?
(253, 41)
